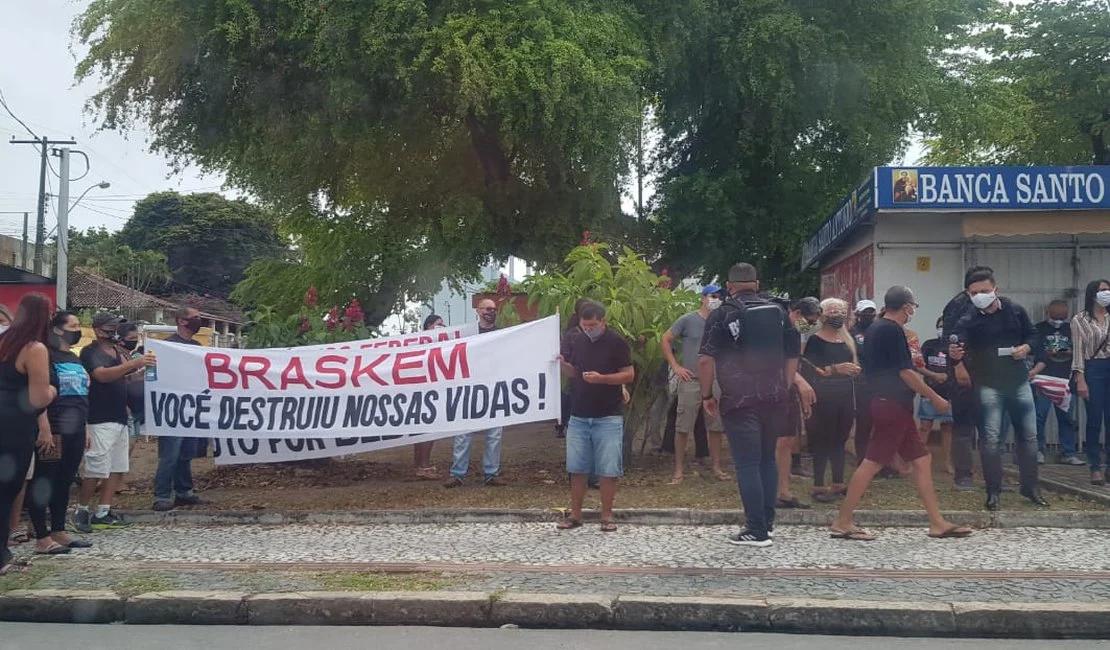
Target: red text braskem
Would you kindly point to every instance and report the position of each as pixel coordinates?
(334, 371)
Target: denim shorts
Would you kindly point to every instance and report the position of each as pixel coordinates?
(596, 446)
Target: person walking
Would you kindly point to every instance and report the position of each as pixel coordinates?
(422, 466)
(831, 364)
(687, 331)
(491, 457)
(1091, 365)
(62, 440)
(1054, 358)
(893, 382)
(996, 336)
(173, 480)
(598, 363)
(25, 391)
(751, 349)
(106, 460)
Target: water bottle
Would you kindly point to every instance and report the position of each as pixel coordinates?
(151, 373)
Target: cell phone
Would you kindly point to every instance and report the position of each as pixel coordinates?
(1005, 352)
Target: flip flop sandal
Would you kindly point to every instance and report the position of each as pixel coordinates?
(955, 532)
(608, 527)
(791, 504)
(853, 535)
(55, 549)
(19, 537)
(569, 524)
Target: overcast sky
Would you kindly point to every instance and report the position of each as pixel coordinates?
(37, 81)
(38, 84)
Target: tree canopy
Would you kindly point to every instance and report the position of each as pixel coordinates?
(102, 252)
(207, 239)
(1030, 85)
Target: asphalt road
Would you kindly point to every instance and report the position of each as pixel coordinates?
(171, 637)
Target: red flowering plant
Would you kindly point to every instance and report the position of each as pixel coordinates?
(310, 325)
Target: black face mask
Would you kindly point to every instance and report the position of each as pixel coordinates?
(835, 322)
(129, 345)
(193, 324)
(865, 321)
(70, 337)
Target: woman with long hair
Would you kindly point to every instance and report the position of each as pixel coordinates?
(63, 428)
(25, 391)
(1090, 363)
(422, 451)
(830, 366)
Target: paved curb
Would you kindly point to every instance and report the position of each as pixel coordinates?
(476, 609)
(641, 516)
(1066, 488)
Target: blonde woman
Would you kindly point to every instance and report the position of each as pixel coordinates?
(831, 365)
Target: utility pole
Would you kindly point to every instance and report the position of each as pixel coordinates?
(40, 232)
(61, 266)
(23, 249)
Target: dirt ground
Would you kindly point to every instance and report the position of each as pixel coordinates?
(532, 461)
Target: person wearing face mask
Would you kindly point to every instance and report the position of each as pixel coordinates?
(865, 315)
(894, 381)
(687, 331)
(1091, 365)
(106, 460)
(1053, 355)
(491, 457)
(64, 425)
(803, 314)
(934, 354)
(598, 363)
(830, 364)
(173, 480)
(995, 336)
(129, 342)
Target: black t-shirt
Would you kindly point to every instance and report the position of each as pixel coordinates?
(176, 338)
(607, 355)
(1053, 348)
(935, 352)
(822, 353)
(983, 334)
(69, 411)
(888, 354)
(107, 401)
(750, 338)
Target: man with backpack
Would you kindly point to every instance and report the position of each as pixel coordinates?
(751, 349)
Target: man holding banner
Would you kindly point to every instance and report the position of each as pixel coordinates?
(598, 363)
(491, 457)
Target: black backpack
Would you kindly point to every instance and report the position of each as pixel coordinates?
(756, 328)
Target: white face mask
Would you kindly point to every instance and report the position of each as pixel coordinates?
(984, 300)
(4, 328)
(1056, 323)
(1103, 298)
(713, 303)
(940, 332)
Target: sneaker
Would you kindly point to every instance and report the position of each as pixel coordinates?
(1072, 460)
(1040, 458)
(110, 520)
(748, 538)
(163, 505)
(82, 521)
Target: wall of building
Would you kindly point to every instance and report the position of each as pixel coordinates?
(11, 294)
(923, 251)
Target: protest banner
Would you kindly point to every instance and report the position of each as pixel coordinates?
(240, 451)
(398, 341)
(438, 389)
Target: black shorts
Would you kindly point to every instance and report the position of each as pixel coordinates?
(792, 415)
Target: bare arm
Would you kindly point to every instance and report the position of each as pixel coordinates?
(707, 373)
(914, 380)
(36, 363)
(625, 375)
(107, 375)
(667, 346)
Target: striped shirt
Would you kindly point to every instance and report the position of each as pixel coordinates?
(1089, 340)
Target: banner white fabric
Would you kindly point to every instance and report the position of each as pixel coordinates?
(398, 341)
(441, 389)
(240, 451)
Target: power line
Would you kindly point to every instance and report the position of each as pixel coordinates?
(4, 103)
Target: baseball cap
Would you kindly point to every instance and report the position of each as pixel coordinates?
(864, 305)
(743, 272)
(103, 319)
(710, 289)
(898, 297)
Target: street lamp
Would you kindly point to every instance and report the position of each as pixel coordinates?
(61, 267)
(102, 185)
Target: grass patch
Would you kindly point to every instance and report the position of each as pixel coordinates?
(141, 583)
(26, 579)
(370, 581)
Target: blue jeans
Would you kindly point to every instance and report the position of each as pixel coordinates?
(1065, 423)
(595, 446)
(1018, 404)
(1098, 409)
(752, 434)
(491, 458)
(175, 472)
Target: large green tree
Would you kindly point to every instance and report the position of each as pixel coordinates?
(102, 252)
(771, 110)
(1031, 85)
(207, 239)
(408, 138)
